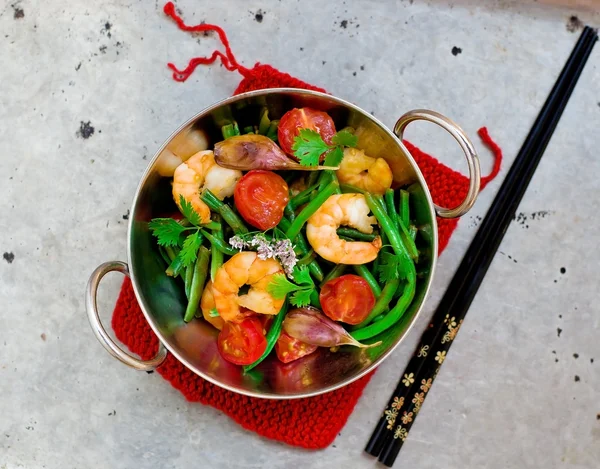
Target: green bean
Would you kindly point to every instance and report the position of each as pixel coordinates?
(265, 122)
(164, 255)
(187, 280)
(216, 260)
(391, 209)
(249, 129)
(307, 258)
(172, 252)
(212, 225)
(199, 277)
(391, 318)
(302, 197)
(312, 178)
(288, 211)
(391, 231)
(225, 211)
(314, 299)
(336, 272)
(313, 267)
(310, 209)
(409, 242)
(219, 243)
(382, 303)
(403, 207)
(412, 232)
(176, 265)
(349, 189)
(230, 130)
(355, 235)
(272, 336)
(272, 132)
(368, 276)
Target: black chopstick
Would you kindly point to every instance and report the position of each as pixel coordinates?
(436, 340)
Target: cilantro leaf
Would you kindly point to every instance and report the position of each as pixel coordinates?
(280, 286)
(334, 157)
(302, 276)
(301, 298)
(308, 147)
(388, 267)
(188, 211)
(345, 139)
(189, 251)
(213, 313)
(166, 230)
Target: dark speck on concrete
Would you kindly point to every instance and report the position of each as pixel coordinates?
(302, 48)
(114, 412)
(556, 360)
(591, 360)
(574, 24)
(43, 336)
(259, 15)
(555, 281)
(85, 130)
(107, 26)
(8, 257)
(560, 316)
(456, 51)
(150, 372)
(558, 331)
(19, 13)
(563, 270)
(362, 67)
(554, 352)
(597, 418)
(577, 378)
(575, 355)
(78, 67)
(344, 24)
(353, 74)
(102, 49)
(324, 62)
(126, 216)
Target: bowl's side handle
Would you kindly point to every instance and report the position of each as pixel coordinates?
(467, 147)
(99, 331)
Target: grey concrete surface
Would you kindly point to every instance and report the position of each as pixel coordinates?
(521, 386)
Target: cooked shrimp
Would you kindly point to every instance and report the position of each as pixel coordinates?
(207, 304)
(245, 268)
(370, 174)
(202, 172)
(343, 209)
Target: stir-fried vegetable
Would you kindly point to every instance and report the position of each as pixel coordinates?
(312, 231)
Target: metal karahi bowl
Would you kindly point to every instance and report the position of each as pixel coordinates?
(163, 301)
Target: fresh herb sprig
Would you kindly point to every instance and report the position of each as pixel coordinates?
(168, 233)
(308, 147)
(300, 291)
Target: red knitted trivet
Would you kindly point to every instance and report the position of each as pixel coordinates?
(298, 422)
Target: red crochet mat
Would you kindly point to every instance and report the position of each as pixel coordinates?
(297, 422)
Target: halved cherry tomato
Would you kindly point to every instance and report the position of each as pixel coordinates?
(348, 299)
(303, 118)
(242, 343)
(260, 197)
(289, 349)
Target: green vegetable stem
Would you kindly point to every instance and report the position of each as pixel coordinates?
(272, 336)
(368, 276)
(198, 280)
(355, 234)
(310, 209)
(225, 211)
(391, 318)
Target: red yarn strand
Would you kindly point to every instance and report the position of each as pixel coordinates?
(228, 60)
(496, 150)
